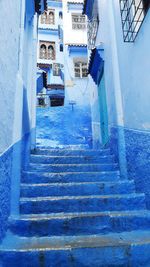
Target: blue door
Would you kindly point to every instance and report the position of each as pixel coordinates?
(103, 111)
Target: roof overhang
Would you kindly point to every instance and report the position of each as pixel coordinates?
(77, 48)
(96, 65)
(88, 8)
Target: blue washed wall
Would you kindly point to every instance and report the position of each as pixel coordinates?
(5, 189)
(137, 151)
(59, 126)
(11, 163)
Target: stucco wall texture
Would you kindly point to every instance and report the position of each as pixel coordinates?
(5, 187)
(9, 39)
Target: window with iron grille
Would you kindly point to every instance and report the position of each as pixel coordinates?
(92, 32)
(56, 101)
(78, 22)
(80, 69)
(132, 14)
(47, 50)
(48, 17)
(56, 69)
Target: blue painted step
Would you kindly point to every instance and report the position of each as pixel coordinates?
(77, 212)
(82, 203)
(111, 250)
(73, 152)
(86, 223)
(77, 189)
(71, 159)
(72, 167)
(66, 177)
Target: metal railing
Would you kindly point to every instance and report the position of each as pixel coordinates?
(132, 14)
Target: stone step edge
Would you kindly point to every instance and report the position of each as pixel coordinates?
(72, 165)
(72, 173)
(71, 156)
(123, 239)
(61, 216)
(35, 199)
(69, 150)
(59, 184)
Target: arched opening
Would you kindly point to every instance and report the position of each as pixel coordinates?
(51, 18)
(44, 18)
(43, 54)
(51, 52)
(61, 48)
(60, 15)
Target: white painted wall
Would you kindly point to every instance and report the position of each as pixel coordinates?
(71, 35)
(126, 69)
(9, 43)
(17, 70)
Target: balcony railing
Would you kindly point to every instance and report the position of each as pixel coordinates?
(132, 14)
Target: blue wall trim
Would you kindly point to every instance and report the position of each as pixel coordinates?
(96, 65)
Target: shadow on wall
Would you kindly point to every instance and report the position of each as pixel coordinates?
(64, 126)
(26, 130)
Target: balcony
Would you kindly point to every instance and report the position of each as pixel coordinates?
(133, 13)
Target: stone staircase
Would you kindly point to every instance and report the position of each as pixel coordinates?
(75, 211)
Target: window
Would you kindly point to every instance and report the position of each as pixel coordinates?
(43, 54)
(61, 48)
(132, 14)
(44, 18)
(60, 15)
(78, 22)
(51, 18)
(56, 101)
(51, 52)
(47, 50)
(80, 69)
(48, 17)
(92, 32)
(41, 101)
(56, 69)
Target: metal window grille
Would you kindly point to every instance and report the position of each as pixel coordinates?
(47, 50)
(43, 52)
(56, 69)
(78, 22)
(92, 32)
(48, 17)
(80, 69)
(132, 14)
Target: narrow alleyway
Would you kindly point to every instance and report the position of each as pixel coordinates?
(75, 133)
(75, 210)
